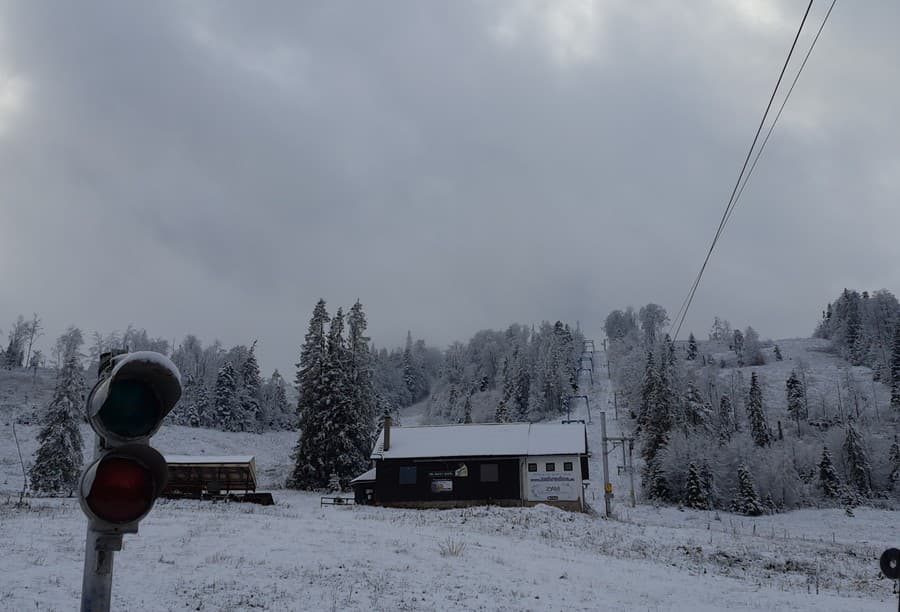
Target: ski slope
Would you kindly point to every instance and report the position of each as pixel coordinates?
(297, 555)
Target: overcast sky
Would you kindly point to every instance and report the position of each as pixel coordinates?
(216, 167)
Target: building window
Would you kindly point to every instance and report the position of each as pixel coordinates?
(490, 472)
(550, 467)
(567, 466)
(532, 467)
(407, 474)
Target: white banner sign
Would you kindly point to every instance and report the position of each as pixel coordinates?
(553, 486)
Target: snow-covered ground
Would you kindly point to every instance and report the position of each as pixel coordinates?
(297, 555)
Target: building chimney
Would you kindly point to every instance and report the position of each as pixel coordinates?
(387, 432)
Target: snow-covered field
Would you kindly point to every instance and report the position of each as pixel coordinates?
(297, 555)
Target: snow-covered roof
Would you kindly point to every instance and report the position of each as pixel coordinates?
(207, 459)
(365, 477)
(483, 440)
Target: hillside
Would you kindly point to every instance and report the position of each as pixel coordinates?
(298, 556)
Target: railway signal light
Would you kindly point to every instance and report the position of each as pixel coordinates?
(125, 408)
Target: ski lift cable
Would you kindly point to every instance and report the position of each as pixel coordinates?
(682, 313)
(781, 109)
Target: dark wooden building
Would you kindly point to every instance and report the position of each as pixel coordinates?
(495, 463)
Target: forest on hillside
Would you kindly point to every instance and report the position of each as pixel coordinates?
(739, 423)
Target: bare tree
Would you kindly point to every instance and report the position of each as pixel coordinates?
(35, 330)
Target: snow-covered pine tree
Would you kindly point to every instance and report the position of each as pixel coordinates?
(759, 428)
(59, 457)
(696, 411)
(342, 454)
(185, 412)
(467, 409)
(828, 479)
(692, 348)
(708, 485)
(778, 355)
(365, 401)
(894, 465)
(859, 470)
(334, 483)
(726, 420)
(203, 407)
(737, 343)
(649, 390)
(795, 394)
(249, 393)
(502, 413)
(309, 466)
(508, 386)
(452, 398)
(694, 496)
(522, 384)
(747, 499)
(279, 415)
(895, 370)
(226, 406)
(413, 375)
(654, 481)
(655, 433)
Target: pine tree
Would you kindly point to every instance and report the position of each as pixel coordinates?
(894, 465)
(859, 470)
(747, 499)
(365, 400)
(508, 387)
(828, 478)
(795, 394)
(502, 413)
(202, 407)
(759, 429)
(334, 483)
(522, 385)
(249, 394)
(726, 420)
(309, 467)
(278, 413)
(657, 426)
(778, 355)
(452, 398)
(186, 411)
(410, 370)
(226, 406)
(59, 457)
(467, 410)
(707, 485)
(342, 452)
(694, 496)
(697, 412)
(692, 347)
(654, 481)
(649, 390)
(738, 346)
(895, 370)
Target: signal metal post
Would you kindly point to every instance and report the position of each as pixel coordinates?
(96, 587)
(99, 548)
(607, 485)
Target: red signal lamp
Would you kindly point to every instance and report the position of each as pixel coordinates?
(119, 488)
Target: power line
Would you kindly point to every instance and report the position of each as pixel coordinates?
(682, 313)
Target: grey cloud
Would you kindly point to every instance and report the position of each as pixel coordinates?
(454, 165)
